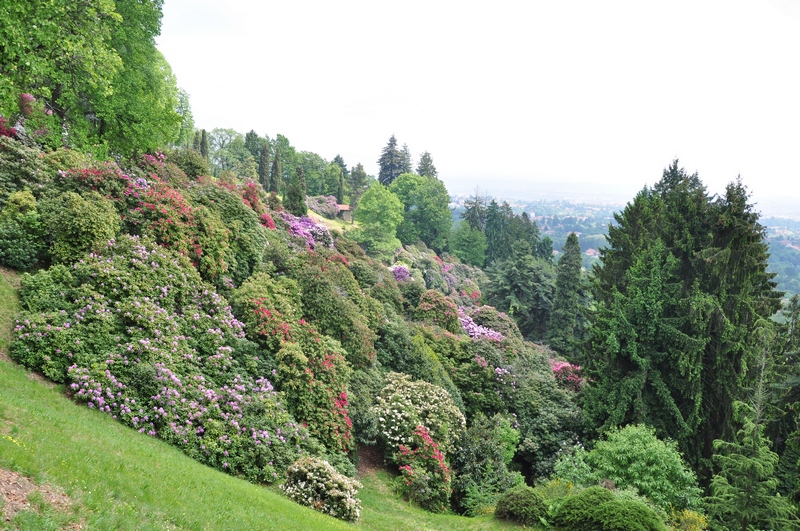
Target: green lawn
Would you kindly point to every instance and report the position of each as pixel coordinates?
(121, 479)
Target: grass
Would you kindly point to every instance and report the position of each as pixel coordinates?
(121, 479)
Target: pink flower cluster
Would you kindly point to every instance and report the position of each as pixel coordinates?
(475, 330)
(305, 228)
(568, 375)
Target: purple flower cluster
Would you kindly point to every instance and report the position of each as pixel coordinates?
(324, 205)
(306, 229)
(401, 273)
(475, 330)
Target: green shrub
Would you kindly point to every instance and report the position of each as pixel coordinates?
(577, 512)
(489, 317)
(625, 515)
(315, 483)
(77, 224)
(20, 232)
(435, 308)
(523, 505)
(190, 161)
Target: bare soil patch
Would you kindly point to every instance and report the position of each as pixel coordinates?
(15, 489)
(370, 459)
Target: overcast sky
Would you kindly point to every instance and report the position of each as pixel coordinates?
(513, 94)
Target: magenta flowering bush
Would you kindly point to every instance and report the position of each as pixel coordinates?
(475, 330)
(425, 478)
(136, 334)
(324, 205)
(567, 375)
(308, 230)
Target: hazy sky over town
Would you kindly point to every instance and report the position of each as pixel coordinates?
(513, 94)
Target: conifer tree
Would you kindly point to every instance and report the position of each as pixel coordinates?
(339, 161)
(475, 212)
(276, 175)
(563, 318)
(391, 163)
(263, 166)
(406, 160)
(204, 144)
(357, 182)
(295, 201)
(340, 188)
(253, 144)
(196, 141)
(426, 167)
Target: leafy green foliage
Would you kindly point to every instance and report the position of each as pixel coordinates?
(523, 505)
(190, 161)
(468, 244)
(295, 199)
(426, 210)
(379, 212)
(563, 317)
(437, 309)
(20, 232)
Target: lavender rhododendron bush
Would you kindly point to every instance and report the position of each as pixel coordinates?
(135, 333)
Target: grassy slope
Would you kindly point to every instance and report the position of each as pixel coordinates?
(120, 479)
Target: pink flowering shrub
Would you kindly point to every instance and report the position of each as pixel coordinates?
(324, 205)
(567, 375)
(425, 478)
(308, 230)
(437, 309)
(5, 130)
(475, 330)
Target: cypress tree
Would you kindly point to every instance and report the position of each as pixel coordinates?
(295, 201)
(196, 142)
(204, 144)
(275, 178)
(357, 183)
(563, 318)
(263, 166)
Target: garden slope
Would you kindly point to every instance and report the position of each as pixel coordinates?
(120, 479)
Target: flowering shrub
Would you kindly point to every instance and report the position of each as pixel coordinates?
(475, 330)
(403, 404)
(437, 309)
(567, 375)
(315, 483)
(5, 130)
(308, 230)
(425, 478)
(401, 273)
(324, 205)
(136, 334)
(489, 317)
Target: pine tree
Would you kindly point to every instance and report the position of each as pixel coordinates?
(744, 493)
(391, 163)
(263, 166)
(276, 175)
(339, 161)
(295, 201)
(204, 144)
(406, 160)
(426, 167)
(563, 318)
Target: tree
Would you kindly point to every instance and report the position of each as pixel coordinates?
(340, 187)
(339, 161)
(263, 166)
(357, 181)
(468, 244)
(196, 141)
(295, 201)
(379, 212)
(426, 210)
(204, 148)
(475, 211)
(406, 158)
(426, 167)
(253, 143)
(276, 175)
(391, 163)
(744, 493)
(187, 131)
(680, 288)
(563, 318)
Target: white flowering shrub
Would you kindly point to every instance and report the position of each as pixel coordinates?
(404, 404)
(315, 483)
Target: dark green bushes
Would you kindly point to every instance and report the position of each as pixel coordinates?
(523, 505)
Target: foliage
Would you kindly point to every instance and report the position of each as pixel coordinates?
(489, 317)
(481, 462)
(687, 520)
(569, 376)
(295, 199)
(563, 317)
(439, 310)
(77, 224)
(425, 478)
(315, 483)
(191, 162)
(475, 330)
(426, 210)
(137, 335)
(379, 212)
(468, 244)
(20, 232)
(308, 230)
(404, 404)
(523, 505)
(682, 286)
(425, 166)
(390, 163)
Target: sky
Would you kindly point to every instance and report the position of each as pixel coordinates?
(518, 97)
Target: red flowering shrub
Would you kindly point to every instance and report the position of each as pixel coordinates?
(266, 221)
(425, 478)
(437, 309)
(5, 130)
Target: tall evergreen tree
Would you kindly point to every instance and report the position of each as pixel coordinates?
(276, 175)
(204, 150)
(263, 166)
(253, 143)
(196, 141)
(679, 291)
(426, 167)
(357, 182)
(406, 160)
(391, 163)
(340, 188)
(339, 161)
(564, 316)
(475, 212)
(295, 201)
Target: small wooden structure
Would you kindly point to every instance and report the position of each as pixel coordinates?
(345, 213)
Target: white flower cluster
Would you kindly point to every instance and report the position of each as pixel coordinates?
(315, 483)
(403, 404)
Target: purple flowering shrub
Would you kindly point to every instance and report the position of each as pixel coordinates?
(475, 330)
(136, 334)
(324, 205)
(490, 317)
(401, 273)
(306, 229)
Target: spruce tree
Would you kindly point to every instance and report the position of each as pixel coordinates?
(263, 166)
(426, 167)
(295, 201)
(475, 211)
(563, 318)
(204, 144)
(405, 166)
(391, 163)
(276, 175)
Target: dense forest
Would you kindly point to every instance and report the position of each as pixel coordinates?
(209, 289)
